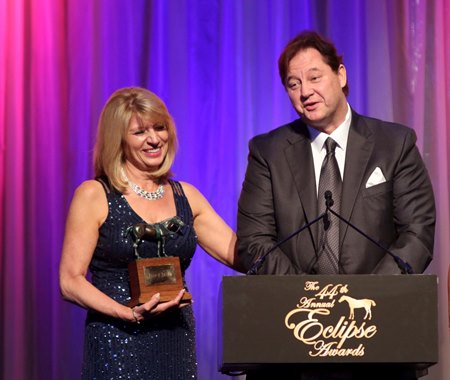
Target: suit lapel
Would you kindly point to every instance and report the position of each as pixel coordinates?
(359, 149)
(299, 157)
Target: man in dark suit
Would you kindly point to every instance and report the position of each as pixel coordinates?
(382, 185)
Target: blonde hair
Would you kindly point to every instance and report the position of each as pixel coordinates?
(109, 155)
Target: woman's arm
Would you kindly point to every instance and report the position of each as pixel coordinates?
(87, 212)
(214, 235)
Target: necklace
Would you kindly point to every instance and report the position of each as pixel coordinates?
(150, 195)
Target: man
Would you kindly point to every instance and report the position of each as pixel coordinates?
(370, 169)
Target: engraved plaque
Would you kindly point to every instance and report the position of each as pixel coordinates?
(156, 275)
(159, 274)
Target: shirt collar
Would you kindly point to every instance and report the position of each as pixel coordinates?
(340, 134)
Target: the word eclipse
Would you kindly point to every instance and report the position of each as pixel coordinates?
(315, 322)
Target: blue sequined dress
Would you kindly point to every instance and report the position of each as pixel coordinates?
(161, 348)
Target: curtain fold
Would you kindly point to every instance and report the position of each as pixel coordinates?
(214, 63)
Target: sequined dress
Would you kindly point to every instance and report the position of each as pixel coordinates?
(162, 348)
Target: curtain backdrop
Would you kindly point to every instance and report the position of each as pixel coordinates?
(214, 63)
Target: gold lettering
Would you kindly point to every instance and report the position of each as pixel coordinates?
(327, 340)
(333, 331)
(310, 303)
(311, 285)
(329, 291)
(310, 330)
(327, 349)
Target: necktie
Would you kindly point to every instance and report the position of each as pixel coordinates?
(330, 179)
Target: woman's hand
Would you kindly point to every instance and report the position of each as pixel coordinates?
(154, 307)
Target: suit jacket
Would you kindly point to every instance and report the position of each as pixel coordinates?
(279, 196)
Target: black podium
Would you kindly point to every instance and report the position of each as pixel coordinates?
(316, 319)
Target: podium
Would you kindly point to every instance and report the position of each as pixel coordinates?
(268, 321)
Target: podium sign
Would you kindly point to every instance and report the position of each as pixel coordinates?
(271, 320)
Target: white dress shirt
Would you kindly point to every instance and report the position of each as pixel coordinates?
(340, 135)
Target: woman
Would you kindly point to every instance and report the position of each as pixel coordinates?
(134, 152)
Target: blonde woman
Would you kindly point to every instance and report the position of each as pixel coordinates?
(134, 152)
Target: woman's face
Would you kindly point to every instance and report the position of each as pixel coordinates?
(146, 144)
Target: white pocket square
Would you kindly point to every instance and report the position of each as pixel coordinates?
(375, 178)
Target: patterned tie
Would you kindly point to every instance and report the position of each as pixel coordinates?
(330, 179)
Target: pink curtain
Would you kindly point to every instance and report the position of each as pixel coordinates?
(214, 63)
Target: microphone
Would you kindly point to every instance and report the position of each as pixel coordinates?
(404, 266)
(328, 203)
(328, 199)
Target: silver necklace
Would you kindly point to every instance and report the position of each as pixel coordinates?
(150, 195)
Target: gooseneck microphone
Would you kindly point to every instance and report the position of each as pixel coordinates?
(328, 203)
(328, 199)
(404, 266)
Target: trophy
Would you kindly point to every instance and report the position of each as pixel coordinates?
(149, 276)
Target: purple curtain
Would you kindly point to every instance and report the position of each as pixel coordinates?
(214, 64)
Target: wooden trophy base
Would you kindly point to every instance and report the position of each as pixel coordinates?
(156, 275)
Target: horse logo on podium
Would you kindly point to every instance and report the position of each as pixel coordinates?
(353, 304)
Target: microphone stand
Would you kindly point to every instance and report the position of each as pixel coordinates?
(403, 265)
(260, 261)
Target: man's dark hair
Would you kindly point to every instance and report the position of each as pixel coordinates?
(310, 39)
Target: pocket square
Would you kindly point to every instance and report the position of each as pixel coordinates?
(375, 178)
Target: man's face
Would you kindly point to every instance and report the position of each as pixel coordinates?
(315, 90)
